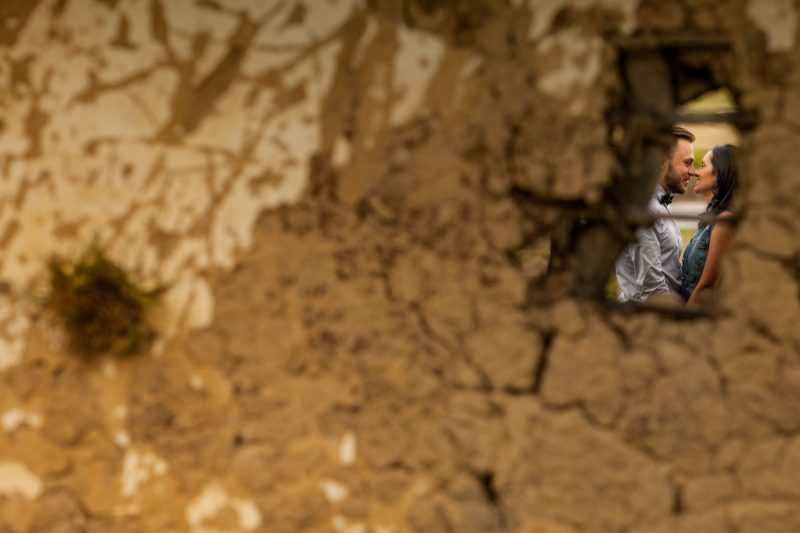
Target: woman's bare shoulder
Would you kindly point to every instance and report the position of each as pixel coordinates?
(726, 215)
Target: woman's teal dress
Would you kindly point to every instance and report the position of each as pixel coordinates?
(694, 259)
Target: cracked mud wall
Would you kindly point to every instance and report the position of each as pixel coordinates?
(332, 190)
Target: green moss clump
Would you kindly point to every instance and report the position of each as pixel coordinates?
(102, 310)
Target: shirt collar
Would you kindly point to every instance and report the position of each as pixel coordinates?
(660, 193)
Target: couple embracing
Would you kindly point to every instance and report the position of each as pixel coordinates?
(653, 264)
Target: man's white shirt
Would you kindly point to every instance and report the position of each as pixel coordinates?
(653, 263)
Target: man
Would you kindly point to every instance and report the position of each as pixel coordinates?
(653, 264)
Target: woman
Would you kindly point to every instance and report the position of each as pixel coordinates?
(716, 181)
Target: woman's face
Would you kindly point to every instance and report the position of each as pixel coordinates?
(705, 176)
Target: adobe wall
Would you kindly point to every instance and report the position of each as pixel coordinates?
(332, 190)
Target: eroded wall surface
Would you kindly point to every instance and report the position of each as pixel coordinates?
(330, 188)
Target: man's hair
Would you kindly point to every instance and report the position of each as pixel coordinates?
(682, 133)
(679, 133)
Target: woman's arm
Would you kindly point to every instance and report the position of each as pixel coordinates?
(721, 238)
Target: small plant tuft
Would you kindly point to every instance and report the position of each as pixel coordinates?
(102, 310)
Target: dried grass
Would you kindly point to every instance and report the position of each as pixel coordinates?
(101, 308)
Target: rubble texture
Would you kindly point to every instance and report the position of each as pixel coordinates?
(335, 192)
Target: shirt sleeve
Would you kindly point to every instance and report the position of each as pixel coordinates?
(647, 268)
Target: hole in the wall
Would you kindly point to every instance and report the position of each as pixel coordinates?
(711, 127)
(668, 80)
(672, 81)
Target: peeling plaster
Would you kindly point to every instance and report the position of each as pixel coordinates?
(342, 152)
(197, 383)
(13, 328)
(416, 62)
(370, 33)
(10, 352)
(15, 418)
(334, 491)
(138, 468)
(118, 164)
(109, 369)
(579, 65)
(104, 168)
(212, 501)
(17, 479)
(122, 439)
(778, 20)
(341, 525)
(544, 12)
(347, 449)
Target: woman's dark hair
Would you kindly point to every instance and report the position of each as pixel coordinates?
(723, 162)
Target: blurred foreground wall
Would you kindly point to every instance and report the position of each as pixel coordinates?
(331, 189)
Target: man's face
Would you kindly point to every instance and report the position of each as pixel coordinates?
(680, 168)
